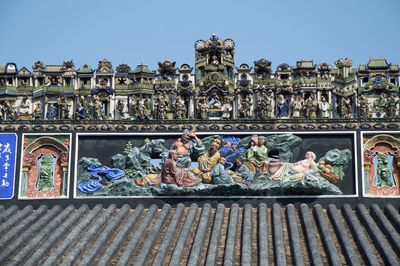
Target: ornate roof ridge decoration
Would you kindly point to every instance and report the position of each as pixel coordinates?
(68, 65)
(324, 66)
(378, 64)
(362, 68)
(215, 68)
(104, 67)
(167, 69)
(291, 96)
(24, 70)
(53, 69)
(9, 69)
(284, 67)
(24, 73)
(345, 80)
(324, 75)
(244, 68)
(142, 68)
(394, 68)
(262, 68)
(185, 69)
(122, 71)
(38, 66)
(307, 65)
(84, 69)
(123, 68)
(344, 63)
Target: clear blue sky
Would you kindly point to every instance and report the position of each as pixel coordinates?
(131, 31)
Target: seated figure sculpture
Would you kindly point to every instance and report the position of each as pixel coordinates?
(187, 145)
(244, 172)
(207, 161)
(171, 174)
(25, 106)
(219, 175)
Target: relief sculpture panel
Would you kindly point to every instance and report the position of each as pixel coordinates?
(253, 164)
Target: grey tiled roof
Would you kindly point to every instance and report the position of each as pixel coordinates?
(200, 235)
(378, 63)
(53, 68)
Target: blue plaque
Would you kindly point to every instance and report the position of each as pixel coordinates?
(8, 152)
